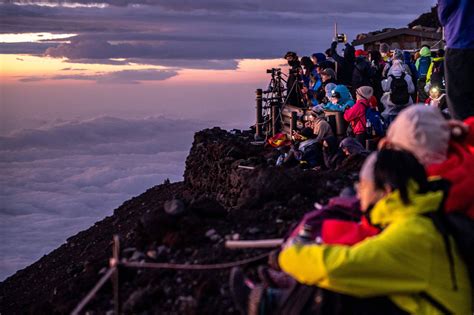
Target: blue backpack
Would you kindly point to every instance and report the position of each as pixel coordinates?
(377, 122)
(423, 66)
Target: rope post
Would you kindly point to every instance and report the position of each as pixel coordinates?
(274, 119)
(293, 122)
(115, 279)
(258, 125)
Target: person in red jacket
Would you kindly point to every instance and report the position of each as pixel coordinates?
(444, 147)
(356, 114)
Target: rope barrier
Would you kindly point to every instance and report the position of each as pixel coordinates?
(115, 264)
(93, 292)
(195, 266)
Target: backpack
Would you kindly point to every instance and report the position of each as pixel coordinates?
(399, 90)
(437, 74)
(423, 66)
(376, 121)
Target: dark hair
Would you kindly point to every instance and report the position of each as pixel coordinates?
(396, 168)
(440, 52)
(375, 56)
(328, 52)
(307, 63)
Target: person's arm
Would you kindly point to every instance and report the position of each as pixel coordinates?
(417, 64)
(386, 84)
(411, 86)
(334, 53)
(387, 263)
(428, 74)
(351, 113)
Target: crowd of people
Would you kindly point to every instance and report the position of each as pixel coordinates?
(401, 241)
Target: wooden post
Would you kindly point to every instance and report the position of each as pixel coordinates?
(275, 119)
(258, 125)
(293, 122)
(115, 279)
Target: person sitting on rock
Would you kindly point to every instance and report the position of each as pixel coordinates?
(307, 152)
(383, 274)
(318, 123)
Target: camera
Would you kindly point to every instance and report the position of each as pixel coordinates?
(341, 38)
(274, 70)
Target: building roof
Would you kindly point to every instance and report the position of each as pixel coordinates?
(394, 33)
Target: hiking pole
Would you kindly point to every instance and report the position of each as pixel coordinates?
(268, 243)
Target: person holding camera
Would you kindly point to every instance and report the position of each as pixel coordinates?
(294, 83)
(344, 65)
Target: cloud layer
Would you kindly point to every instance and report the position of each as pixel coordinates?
(158, 30)
(59, 180)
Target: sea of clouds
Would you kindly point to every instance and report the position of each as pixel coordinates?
(59, 179)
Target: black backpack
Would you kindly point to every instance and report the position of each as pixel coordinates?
(437, 74)
(399, 90)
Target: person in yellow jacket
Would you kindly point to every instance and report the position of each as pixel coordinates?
(408, 261)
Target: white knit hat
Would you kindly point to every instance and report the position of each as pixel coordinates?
(365, 91)
(367, 169)
(423, 131)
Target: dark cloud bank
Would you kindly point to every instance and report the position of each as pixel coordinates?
(196, 34)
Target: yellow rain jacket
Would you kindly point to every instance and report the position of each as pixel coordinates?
(408, 257)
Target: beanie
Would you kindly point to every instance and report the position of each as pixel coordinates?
(423, 131)
(365, 91)
(367, 170)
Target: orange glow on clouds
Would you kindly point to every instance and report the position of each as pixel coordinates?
(16, 67)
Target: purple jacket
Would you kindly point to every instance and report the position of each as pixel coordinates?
(457, 18)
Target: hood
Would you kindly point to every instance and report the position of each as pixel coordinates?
(391, 207)
(425, 52)
(328, 88)
(345, 94)
(396, 69)
(352, 145)
(320, 56)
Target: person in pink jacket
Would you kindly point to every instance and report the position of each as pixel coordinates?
(356, 114)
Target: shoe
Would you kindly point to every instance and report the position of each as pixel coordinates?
(239, 290)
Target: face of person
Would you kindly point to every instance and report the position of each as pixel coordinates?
(334, 100)
(434, 93)
(324, 77)
(368, 194)
(314, 60)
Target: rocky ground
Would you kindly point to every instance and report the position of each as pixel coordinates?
(185, 222)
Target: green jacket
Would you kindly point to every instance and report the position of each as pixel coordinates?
(408, 257)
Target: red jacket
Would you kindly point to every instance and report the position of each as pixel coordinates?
(356, 116)
(458, 169)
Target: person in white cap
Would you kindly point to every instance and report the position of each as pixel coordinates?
(444, 147)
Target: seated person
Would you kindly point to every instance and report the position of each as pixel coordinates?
(384, 274)
(445, 148)
(306, 152)
(318, 123)
(341, 99)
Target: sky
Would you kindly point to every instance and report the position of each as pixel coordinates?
(99, 99)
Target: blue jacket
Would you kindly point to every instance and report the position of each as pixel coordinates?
(345, 101)
(457, 18)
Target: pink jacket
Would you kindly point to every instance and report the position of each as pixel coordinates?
(356, 116)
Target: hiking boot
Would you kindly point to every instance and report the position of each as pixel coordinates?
(239, 290)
